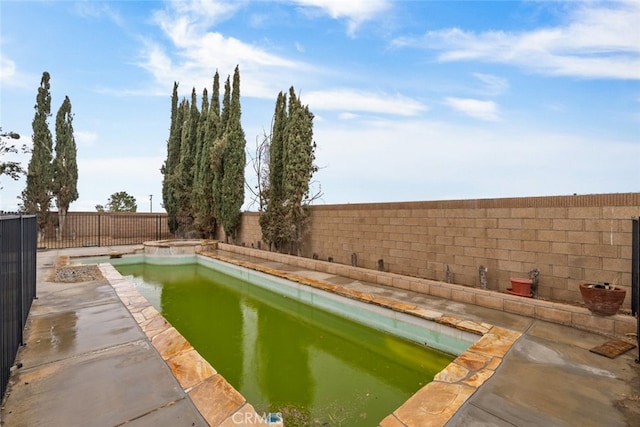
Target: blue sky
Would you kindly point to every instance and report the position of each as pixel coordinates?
(413, 100)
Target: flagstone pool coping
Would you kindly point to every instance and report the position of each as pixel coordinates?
(222, 405)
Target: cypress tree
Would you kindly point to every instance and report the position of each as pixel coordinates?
(298, 152)
(226, 105)
(36, 197)
(201, 129)
(291, 167)
(207, 211)
(168, 169)
(215, 96)
(271, 220)
(203, 181)
(218, 153)
(196, 189)
(184, 170)
(299, 155)
(234, 163)
(65, 167)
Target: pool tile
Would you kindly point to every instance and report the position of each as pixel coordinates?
(139, 318)
(447, 320)
(190, 368)
(136, 301)
(148, 312)
(452, 373)
(216, 399)
(473, 361)
(154, 326)
(170, 343)
(391, 421)
(434, 404)
(473, 327)
(425, 313)
(477, 379)
(494, 363)
(496, 342)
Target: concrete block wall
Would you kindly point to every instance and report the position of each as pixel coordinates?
(563, 314)
(570, 239)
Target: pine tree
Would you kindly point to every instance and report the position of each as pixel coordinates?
(121, 202)
(65, 167)
(36, 197)
(234, 164)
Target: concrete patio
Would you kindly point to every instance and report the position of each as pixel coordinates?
(87, 361)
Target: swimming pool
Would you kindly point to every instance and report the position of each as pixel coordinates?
(283, 354)
(435, 403)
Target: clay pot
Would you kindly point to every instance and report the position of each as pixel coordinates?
(520, 286)
(602, 301)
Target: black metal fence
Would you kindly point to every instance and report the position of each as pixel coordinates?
(18, 236)
(84, 229)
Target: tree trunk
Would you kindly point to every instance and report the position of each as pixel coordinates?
(62, 218)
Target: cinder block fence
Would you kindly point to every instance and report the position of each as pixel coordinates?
(570, 239)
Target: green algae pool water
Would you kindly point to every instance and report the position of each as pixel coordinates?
(314, 367)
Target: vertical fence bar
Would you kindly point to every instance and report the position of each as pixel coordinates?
(635, 278)
(22, 279)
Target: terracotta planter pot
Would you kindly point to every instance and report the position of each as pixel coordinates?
(605, 302)
(520, 286)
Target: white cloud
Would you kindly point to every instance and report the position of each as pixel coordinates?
(354, 11)
(97, 10)
(483, 110)
(349, 100)
(196, 52)
(7, 68)
(207, 12)
(9, 73)
(493, 85)
(348, 116)
(397, 160)
(596, 42)
(85, 138)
